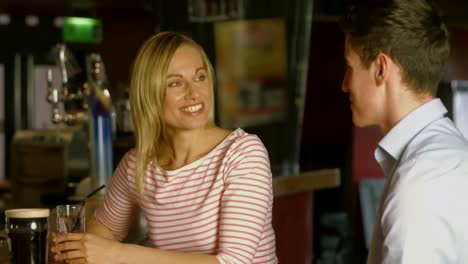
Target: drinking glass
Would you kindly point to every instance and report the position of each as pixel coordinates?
(70, 218)
(28, 233)
(4, 251)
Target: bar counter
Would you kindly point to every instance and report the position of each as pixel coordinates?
(293, 209)
(306, 181)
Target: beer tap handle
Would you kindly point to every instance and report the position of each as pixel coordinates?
(68, 69)
(74, 118)
(53, 98)
(52, 92)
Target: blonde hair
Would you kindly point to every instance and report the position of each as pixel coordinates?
(147, 92)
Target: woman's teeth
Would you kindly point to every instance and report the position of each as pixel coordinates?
(192, 108)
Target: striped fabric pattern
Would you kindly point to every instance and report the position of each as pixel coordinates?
(220, 204)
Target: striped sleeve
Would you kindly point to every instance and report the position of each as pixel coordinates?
(118, 206)
(246, 202)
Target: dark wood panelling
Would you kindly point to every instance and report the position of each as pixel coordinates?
(72, 7)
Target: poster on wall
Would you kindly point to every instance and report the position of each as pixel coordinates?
(251, 69)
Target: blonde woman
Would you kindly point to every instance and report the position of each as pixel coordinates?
(205, 191)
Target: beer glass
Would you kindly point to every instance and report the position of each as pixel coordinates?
(27, 230)
(4, 251)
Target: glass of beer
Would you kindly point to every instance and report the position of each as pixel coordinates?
(27, 230)
(4, 251)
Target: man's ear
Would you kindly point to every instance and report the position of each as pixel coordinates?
(381, 68)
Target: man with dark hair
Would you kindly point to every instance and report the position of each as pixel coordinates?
(396, 51)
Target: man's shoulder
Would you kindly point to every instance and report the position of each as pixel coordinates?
(439, 139)
(438, 154)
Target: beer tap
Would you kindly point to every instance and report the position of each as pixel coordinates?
(68, 68)
(96, 109)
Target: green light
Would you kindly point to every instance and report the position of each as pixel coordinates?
(82, 30)
(84, 21)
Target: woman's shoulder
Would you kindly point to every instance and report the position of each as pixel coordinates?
(246, 150)
(130, 154)
(240, 136)
(128, 158)
(239, 140)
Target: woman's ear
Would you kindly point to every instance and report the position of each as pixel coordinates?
(381, 68)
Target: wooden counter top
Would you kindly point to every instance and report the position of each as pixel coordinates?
(306, 181)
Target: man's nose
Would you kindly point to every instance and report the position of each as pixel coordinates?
(343, 87)
(344, 84)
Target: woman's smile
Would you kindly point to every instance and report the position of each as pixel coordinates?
(193, 109)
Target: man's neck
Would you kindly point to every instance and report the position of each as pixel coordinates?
(401, 104)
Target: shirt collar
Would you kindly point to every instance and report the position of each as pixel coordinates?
(400, 135)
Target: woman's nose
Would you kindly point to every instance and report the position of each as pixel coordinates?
(190, 92)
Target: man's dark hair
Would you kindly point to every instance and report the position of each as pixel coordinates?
(411, 32)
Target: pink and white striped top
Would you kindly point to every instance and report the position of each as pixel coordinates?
(220, 204)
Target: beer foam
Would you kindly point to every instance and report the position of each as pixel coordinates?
(27, 213)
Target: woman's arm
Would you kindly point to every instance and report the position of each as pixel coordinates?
(245, 231)
(92, 249)
(118, 207)
(97, 228)
(137, 254)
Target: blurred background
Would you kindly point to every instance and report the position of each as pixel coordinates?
(65, 121)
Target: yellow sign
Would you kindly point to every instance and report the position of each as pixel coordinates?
(251, 67)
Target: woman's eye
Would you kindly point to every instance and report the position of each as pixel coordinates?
(201, 77)
(174, 84)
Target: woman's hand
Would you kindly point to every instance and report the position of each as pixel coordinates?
(85, 248)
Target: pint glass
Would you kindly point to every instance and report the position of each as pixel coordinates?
(27, 230)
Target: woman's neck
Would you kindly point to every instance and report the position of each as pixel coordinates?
(188, 146)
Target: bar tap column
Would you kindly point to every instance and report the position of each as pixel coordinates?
(100, 126)
(96, 110)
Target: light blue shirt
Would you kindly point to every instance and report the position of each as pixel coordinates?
(423, 214)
